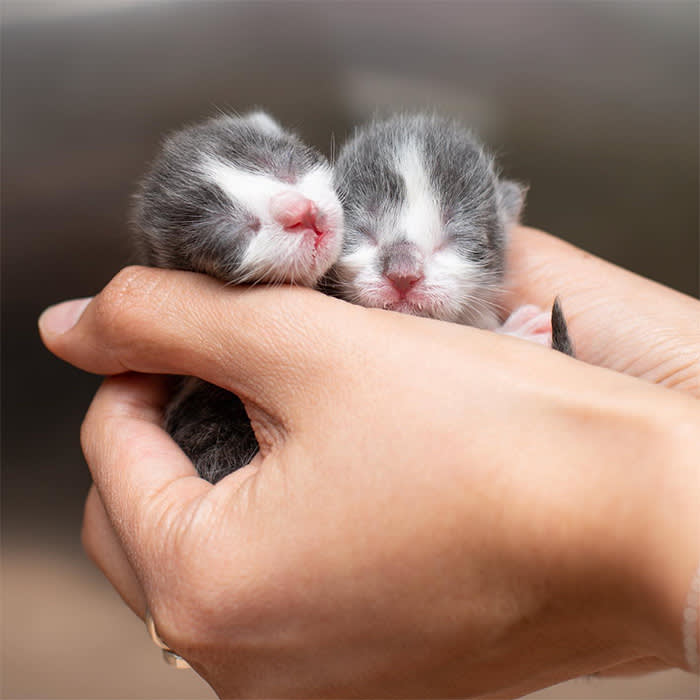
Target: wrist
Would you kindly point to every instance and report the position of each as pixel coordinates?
(674, 542)
(653, 529)
(638, 543)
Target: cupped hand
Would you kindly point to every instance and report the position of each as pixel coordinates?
(434, 511)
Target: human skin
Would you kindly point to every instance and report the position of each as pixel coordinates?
(426, 518)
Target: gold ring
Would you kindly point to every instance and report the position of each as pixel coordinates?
(169, 656)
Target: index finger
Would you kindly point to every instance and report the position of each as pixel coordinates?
(259, 343)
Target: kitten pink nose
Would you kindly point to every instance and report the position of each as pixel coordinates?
(403, 283)
(294, 212)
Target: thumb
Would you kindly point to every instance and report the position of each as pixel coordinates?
(263, 344)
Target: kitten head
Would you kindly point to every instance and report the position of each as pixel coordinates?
(241, 199)
(425, 220)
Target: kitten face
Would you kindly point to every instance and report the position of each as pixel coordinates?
(425, 221)
(242, 200)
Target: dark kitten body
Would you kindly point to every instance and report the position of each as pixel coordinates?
(212, 427)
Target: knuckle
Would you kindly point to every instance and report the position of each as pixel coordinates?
(189, 609)
(86, 429)
(178, 613)
(86, 532)
(123, 307)
(89, 533)
(94, 437)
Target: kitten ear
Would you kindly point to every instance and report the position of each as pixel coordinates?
(511, 197)
(263, 121)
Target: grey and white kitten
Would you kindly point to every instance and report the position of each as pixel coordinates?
(245, 201)
(426, 227)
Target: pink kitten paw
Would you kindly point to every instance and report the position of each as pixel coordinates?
(529, 322)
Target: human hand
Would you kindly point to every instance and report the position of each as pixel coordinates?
(365, 552)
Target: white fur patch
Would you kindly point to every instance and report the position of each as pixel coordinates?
(420, 220)
(275, 255)
(250, 190)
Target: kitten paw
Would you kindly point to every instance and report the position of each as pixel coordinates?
(529, 322)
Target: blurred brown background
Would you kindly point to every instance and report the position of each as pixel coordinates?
(595, 105)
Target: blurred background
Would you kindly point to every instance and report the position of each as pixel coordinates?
(594, 105)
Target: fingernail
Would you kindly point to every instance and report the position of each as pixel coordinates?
(60, 318)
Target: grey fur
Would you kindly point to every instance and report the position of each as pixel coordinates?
(211, 426)
(476, 205)
(183, 221)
